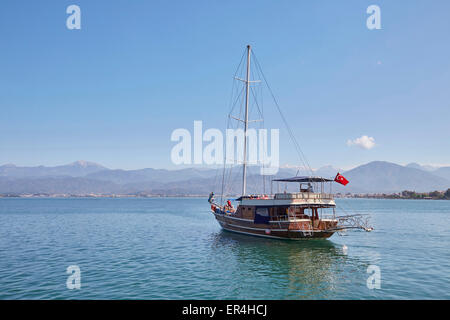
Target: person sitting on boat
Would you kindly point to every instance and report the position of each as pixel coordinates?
(309, 188)
(229, 207)
(211, 197)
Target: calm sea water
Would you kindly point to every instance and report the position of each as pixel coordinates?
(174, 249)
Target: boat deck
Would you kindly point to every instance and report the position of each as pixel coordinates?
(297, 198)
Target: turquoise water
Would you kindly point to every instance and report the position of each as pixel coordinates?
(174, 249)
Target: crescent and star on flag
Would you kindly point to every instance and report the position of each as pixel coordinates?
(340, 179)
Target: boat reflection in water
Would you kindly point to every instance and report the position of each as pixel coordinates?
(257, 268)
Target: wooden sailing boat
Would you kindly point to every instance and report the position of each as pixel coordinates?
(305, 214)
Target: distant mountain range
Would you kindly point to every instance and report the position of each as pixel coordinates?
(386, 177)
(83, 177)
(75, 169)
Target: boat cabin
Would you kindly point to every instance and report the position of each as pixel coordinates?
(288, 206)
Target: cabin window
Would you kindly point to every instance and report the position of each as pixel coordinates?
(262, 216)
(262, 212)
(281, 211)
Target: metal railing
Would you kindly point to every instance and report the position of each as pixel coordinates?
(303, 196)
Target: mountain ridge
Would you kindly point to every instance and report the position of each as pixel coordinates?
(84, 177)
(75, 169)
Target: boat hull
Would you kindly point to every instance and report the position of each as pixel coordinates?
(277, 230)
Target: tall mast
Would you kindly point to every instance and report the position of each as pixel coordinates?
(247, 87)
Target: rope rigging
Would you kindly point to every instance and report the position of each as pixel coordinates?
(227, 179)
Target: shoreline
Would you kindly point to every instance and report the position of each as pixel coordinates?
(109, 196)
(115, 196)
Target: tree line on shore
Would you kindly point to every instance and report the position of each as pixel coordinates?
(435, 195)
(443, 195)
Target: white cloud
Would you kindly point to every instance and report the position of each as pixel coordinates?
(364, 142)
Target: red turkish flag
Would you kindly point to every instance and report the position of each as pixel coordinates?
(340, 179)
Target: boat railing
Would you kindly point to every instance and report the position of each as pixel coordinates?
(283, 218)
(328, 216)
(286, 218)
(303, 196)
(279, 218)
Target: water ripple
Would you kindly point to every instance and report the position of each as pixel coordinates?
(174, 249)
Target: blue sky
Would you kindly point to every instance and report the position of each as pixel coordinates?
(114, 91)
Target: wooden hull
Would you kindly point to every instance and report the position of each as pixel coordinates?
(291, 230)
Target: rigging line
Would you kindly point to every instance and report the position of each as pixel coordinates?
(235, 86)
(299, 150)
(351, 211)
(241, 110)
(223, 171)
(261, 126)
(232, 107)
(240, 62)
(304, 160)
(290, 132)
(231, 104)
(302, 156)
(256, 102)
(231, 178)
(224, 178)
(258, 90)
(215, 179)
(261, 111)
(350, 206)
(235, 102)
(227, 180)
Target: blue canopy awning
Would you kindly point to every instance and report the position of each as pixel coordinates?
(304, 179)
